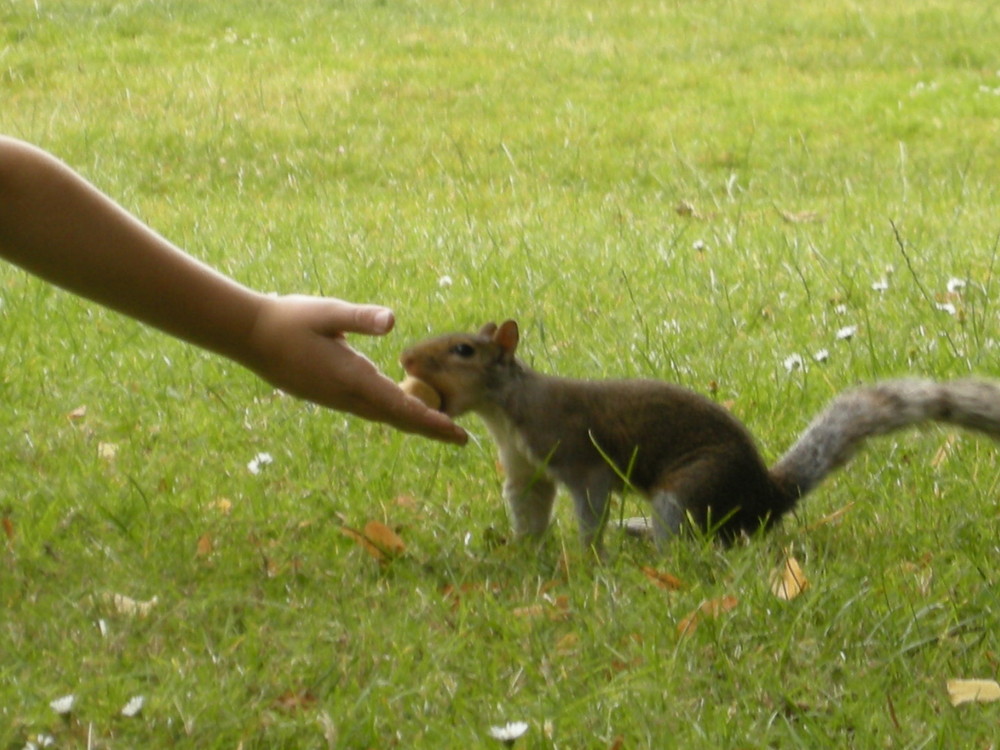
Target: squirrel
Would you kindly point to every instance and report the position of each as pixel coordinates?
(691, 458)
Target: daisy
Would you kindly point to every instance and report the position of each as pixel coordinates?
(793, 362)
(64, 705)
(259, 461)
(509, 731)
(134, 706)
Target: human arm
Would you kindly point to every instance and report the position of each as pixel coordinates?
(56, 225)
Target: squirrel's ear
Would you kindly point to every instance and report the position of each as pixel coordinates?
(507, 336)
(488, 330)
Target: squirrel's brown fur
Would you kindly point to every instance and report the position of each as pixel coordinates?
(687, 454)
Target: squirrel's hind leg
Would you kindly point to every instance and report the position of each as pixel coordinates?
(669, 517)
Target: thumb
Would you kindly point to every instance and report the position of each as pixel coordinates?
(347, 317)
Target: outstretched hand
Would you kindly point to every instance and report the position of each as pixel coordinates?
(300, 346)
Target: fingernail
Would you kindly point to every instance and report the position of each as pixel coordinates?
(383, 320)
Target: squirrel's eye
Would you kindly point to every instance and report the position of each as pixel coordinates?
(463, 350)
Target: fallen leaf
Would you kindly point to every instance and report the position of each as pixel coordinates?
(407, 501)
(78, 413)
(945, 451)
(663, 580)
(126, 605)
(205, 545)
(530, 611)
(8, 528)
(686, 208)
(292, 701)
(973, 691)
(553, 608)
(272, 568)
(788, 581)
(387, 540)
(567, 644)
(617, 666)
(708, 609)
(831, 517)
(378, 540)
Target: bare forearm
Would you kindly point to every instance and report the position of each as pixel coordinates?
(56, 225)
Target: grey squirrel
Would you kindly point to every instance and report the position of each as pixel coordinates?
(688, 455)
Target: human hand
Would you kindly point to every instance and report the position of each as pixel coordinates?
(298, 344)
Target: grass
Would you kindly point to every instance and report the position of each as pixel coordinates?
(536, 154)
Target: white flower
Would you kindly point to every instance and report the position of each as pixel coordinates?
(946, 307)
(445, 281)
(822, 355)
(64, 705)
(134, 706)
(880, 286)
(259, 461)
(699, 245)
(509, 731)
(840, 309)
(793, 362)
(955, 285)
(847, 332)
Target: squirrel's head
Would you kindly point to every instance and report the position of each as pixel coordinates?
(466, 369)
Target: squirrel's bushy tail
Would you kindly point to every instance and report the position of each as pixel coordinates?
(833, 436)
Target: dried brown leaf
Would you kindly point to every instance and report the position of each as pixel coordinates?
(567, 644)
(556, 608)
(945, 451)
(407, 501)
(831, 517)
(788, 581)
(387, 540)
(378, 540)
(126, 605)
(707, 609)
(663, 580)
(291, 701)
(687, 208)
(205, 545)
(973, 691)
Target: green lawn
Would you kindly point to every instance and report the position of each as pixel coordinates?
(695, 191)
